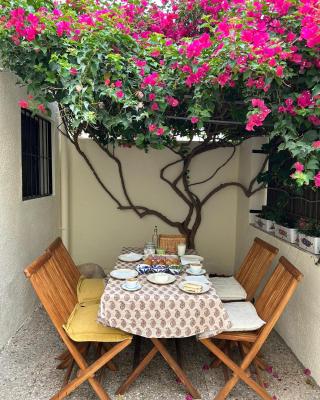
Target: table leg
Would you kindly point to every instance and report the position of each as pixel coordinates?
(179, 352)
(159, 347)
(137, 351)
(137, 371)
(176, 368)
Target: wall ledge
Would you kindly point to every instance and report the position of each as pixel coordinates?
(314, 256)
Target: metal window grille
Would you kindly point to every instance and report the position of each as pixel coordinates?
(304, 205)
(36, 156)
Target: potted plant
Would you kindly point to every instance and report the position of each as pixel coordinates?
(265, 220)
(286, 229)
(309, 235)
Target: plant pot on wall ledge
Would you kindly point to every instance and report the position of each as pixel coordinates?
(309, 243)
(264, 224)
(285, 233)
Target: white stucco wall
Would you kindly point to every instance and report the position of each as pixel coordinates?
(26, 227)
(98, 230)
(299, 326)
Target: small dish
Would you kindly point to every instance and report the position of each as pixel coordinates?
(205, 288)
(123, 273)
(161, 278)
(130, 257)
(191, 259)
(201, 272)
(131, 289)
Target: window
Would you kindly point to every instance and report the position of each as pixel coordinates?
(297, 203)
(305, 204)
(36, 156)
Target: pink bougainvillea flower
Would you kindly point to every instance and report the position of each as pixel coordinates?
(317, 179)
(188, 397)
(265, 385)
(152, 127)
(316, 144)
(155, 107)
(314, 119)
(107, 82)
(257, 118)
(172, 101)
(119, 94)
(118, 84)
(151, 79)
(194, 120)
(42, 108)
(73, 71)
(305, 99)
(269, 369)
(307, 370)
(155, 53)
(298, 166)
(23, 103)
(279, 71)
(152, 96)
(160, 131)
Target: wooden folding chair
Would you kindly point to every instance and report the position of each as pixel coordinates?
(63, 258)
(269, 307)
(170, 242)
(244, 284)
(59, 300)
(69, 270)
(255, 266)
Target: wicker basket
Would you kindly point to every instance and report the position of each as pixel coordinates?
(170, 242)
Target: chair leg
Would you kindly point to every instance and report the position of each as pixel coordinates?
(87, 372)
(216, 363)
(239, 372)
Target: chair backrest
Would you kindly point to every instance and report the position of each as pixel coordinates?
(62, 257)
(52, 288)
(278, 291)
(170, 242)
(255, 266)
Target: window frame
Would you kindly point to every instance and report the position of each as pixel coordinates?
(43, 149)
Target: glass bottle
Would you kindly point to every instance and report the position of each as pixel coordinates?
(155, 237)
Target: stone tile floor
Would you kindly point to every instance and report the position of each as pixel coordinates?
(28, 371)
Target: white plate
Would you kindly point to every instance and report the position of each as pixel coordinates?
(154, 278)
(191, 258)
(197, 279)
(205, 288)
(201, 272)
(130, 257)
(125, 287)
(123, 273)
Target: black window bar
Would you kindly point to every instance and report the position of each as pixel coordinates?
(36, 156)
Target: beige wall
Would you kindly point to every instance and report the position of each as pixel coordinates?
(97, 230)
(26, 226)
(300, 324)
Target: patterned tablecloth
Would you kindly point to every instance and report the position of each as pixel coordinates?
(161, 311)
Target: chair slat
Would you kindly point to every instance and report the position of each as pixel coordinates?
(170, 242)
(255, 266)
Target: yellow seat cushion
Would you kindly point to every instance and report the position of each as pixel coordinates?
(82, 326)
(90, 290)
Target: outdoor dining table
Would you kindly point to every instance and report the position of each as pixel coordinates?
(160, 312)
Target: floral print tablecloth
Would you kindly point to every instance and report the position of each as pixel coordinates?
(161, 311)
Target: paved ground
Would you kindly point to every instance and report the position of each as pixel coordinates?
(28, 371)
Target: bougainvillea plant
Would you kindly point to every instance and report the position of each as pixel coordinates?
(148, 73)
